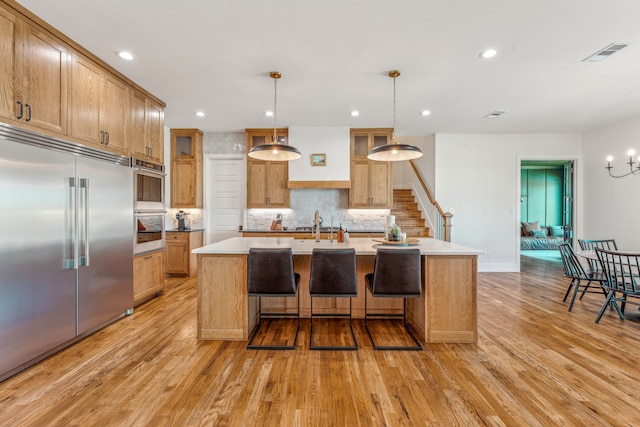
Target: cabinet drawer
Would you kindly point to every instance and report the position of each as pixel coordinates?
(180, 237)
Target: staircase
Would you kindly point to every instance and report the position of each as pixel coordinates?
(408, 216)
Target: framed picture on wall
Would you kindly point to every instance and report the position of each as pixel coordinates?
(318, 160)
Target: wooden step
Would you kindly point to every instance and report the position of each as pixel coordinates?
(406, 214)
(404, 199)
(410, 222)
(416, 231)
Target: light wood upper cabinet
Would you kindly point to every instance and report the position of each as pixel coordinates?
(186, 168)
(99, 107)
(8, 94)
(155, 115)
(371, 182)
(266, 181)
(34, 75)
(146, 128)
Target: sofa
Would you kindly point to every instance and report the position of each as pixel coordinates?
(533, 236)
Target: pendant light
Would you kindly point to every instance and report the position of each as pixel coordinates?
(274, 151)
(394, 151)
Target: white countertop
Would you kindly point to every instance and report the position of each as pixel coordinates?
(363, 246)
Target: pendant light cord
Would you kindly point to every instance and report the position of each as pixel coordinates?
(275, 110)
(393, 136)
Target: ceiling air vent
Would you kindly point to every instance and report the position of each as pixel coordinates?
(603, 54)
(494, 114)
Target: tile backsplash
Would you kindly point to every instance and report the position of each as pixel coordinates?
(332, 205)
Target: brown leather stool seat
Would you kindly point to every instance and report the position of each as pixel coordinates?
(333, 274)
(397, 274)
(270, 274)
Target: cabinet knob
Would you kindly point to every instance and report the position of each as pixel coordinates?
(28, 112)
(20, 113)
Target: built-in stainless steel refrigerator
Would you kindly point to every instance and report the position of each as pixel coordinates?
(66, 215)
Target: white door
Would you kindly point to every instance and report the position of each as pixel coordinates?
(224, 186)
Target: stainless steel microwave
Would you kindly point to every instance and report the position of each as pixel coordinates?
(148, 186)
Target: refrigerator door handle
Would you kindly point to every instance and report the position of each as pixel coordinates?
(70, 246)
(83, 215)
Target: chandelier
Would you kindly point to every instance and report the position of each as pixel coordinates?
(275, 151)
(632, 170)
(394, 151)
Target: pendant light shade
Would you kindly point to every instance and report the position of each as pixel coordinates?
(394, 152)
(275, 151)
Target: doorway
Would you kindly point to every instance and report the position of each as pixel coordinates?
(547, 200)
(224, 187)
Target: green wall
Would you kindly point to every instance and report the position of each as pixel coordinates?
(541, 195)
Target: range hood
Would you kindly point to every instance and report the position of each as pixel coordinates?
(325, 161)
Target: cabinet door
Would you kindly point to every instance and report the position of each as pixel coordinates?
(256, 184)
(183, 185)
(137, 125)
(177, 256)
(148, 275)
(380, 186)
(8, 95)
(277, 191)
(359, 146)
(85, 100)
(155, 132)
(42, 63)
(359, 193)
(114, 114)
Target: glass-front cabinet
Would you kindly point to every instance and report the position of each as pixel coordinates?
(266, 181)
(186, 168)
(371, 181)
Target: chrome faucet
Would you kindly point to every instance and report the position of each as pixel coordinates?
(316, 225)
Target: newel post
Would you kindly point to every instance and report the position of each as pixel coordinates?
(447, 226)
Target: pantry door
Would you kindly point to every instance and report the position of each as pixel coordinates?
(224, 186)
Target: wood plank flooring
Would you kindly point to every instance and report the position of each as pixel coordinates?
(534, 364)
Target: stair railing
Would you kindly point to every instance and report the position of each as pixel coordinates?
(443, 219)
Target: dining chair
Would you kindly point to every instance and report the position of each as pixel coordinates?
(397, 273)
(576, 272)
(622, 271)
(270, 274)
(333, 275)
(590, 245)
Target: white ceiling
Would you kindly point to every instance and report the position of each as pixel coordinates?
(334, 56)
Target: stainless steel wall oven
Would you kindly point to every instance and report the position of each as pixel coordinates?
(148, 186)
(150, 231)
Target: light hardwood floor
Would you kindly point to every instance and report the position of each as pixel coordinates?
(534, 364)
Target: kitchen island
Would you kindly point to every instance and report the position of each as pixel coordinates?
(446, 312)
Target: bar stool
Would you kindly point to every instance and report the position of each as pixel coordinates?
(333, 274)
(271, 274)
(396, 274)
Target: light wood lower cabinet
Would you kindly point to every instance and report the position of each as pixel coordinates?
(180, 260)
(148, 275)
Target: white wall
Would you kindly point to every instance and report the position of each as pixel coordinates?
(612, 204)
(478, 176)
(332, 141)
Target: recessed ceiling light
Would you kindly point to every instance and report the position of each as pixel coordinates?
(355, 113)
(268, 113)
(488, 53)
(125, 55)
(200, 113)
(425, 113)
